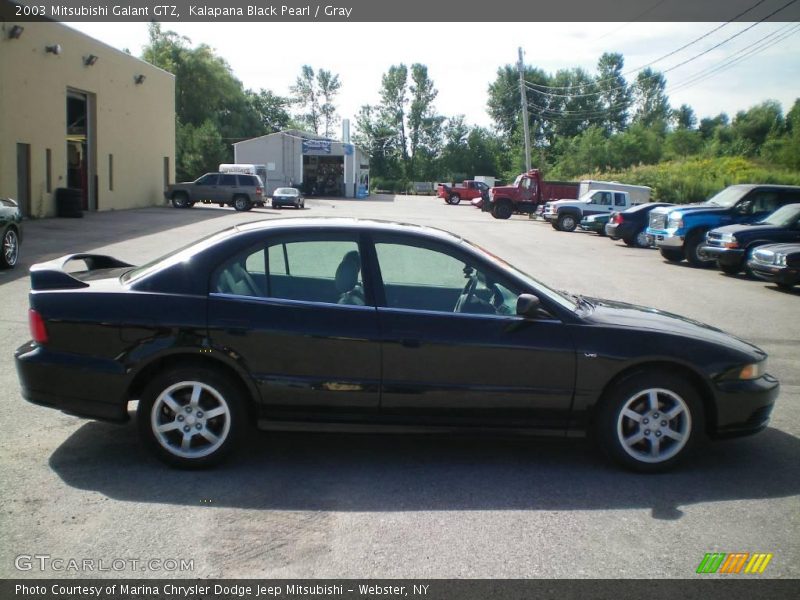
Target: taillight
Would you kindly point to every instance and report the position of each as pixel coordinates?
(618, 218)
(36, 324)
(259, 191)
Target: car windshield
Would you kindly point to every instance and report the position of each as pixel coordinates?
(728, 197)
(560, 298)
(783, 217)
(286, 192)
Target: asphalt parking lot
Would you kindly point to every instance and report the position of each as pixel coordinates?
(325, 505)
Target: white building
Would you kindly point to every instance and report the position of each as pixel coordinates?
(317, 165)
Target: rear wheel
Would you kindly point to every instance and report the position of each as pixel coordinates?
(567, 222)
(650, 421)
(454, 199)
(180, 200)
(671, 254)
(641, 240)
(242, 203)
(502, 210)
(9, 253)
(191, 417)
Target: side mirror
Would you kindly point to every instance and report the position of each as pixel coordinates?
(528, 305)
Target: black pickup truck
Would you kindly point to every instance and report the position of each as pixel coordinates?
(733, 245)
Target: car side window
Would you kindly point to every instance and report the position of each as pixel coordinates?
(760, 203)
(305, 270)
(228, 180)
(423, 278)
(210, 179)
(619, 199)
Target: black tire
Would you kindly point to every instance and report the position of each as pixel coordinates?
(9, 249)
(554, 225)
(653, 441)
(453, 199)
(242, 203)
(730, 269)
(694, 241)
(672, 254)
(502, 210)
(784, 286)
(181, 200)
(177, 386)
(629, 242)
(567, 222)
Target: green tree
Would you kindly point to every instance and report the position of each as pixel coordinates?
(424, 125)
(211, 108)
(306, 98)
(329, 86)
(684, 117)
(650, 100)
(614, 95)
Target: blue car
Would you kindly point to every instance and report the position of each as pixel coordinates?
(680, 231)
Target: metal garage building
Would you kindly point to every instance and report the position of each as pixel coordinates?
(79, 114)
(317, 165)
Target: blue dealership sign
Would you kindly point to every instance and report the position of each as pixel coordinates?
(316, 147)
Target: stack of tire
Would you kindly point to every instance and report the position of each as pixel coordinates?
(69, 203)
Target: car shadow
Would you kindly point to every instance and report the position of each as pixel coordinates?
(370, 472)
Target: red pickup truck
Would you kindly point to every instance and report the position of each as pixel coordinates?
(467, 190)
(526, 194)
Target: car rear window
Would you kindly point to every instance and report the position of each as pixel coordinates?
(250, 180)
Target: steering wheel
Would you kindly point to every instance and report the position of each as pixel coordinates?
(467, 293)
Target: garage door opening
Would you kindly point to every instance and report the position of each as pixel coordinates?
(80, 148)
(323, 175)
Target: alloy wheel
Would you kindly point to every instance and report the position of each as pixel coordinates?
(190, 419)
(654, 425)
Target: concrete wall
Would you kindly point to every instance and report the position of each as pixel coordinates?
(134, 123)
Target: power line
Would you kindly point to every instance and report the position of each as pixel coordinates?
(673, 52)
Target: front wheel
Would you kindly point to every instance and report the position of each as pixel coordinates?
(649, 422)
(729, 269)
(567, 222)
(10, 250)
(696, 258)
(502, 210)
(454, 199)
(671, 254)
(180, 200)
(191, 417)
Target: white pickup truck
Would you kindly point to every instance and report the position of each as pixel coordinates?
(564, 215)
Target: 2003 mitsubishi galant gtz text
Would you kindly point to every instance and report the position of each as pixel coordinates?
(357, 324)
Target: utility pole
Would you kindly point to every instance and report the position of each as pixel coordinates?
(524, 99)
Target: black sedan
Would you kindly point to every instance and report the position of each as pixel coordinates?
(777, 263)
(629, 225)
(288, 196)
(342, 323)
(732, 245)
(10, 233)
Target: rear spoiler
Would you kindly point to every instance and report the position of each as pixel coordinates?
(51, 275)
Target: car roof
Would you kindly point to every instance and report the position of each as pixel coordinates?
(347, 223)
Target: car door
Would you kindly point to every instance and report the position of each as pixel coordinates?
(227, 189)
(206, 188)
(455, 360)
(600, 204)
(295, 312)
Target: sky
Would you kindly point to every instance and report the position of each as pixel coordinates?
(463, 58)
